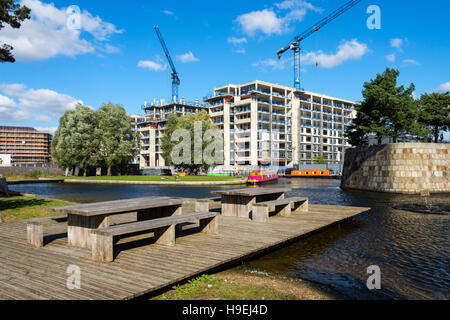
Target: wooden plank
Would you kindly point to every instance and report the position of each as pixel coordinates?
(40, 273)
(250, 192)
(118, 206)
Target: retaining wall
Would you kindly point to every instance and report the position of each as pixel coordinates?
(398, 168)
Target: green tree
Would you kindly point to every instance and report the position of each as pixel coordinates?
(73, 143)
(387, 110)
(118, 143)
(435, 112)
(13, 14)
(320, 160)
(187, 122)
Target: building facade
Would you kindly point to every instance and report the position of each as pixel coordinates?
(152, 126)
(25, 145)
(263, 124)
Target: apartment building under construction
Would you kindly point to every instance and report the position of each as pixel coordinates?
(152, 126)
(263, 124)
(25, 145)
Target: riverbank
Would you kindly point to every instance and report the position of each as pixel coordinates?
(15, 208)
(145, 180)
(158, 180)
(234, 285)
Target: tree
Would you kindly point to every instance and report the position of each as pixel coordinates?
(12, 14)
(74, 144)
(187, 122)
(320, 160)
(435, 112)
(118, 143)
(387, 110)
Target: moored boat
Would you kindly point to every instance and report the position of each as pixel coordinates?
(263, 176)
(323, 174)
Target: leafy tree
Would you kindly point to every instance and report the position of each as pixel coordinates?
(435, 112)
(73, 144)
(387, 110)
(118, 143)
(12, 14)
(186, 122)
(320, 160)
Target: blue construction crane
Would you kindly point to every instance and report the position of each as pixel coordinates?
(295, 44)
(174, 76)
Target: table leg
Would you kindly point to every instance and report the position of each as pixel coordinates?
(237, 206)
(79, 228)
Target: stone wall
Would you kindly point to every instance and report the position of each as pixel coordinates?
(398, 168)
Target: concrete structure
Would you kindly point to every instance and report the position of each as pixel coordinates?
(5, 160)
(398, 168)
(25, 145)
(153, 124)
(265, 123)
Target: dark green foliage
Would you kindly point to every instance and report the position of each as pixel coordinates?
(13, 14)
(435, 112)
(387, 110)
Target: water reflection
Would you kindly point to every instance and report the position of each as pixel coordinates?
(411, 249)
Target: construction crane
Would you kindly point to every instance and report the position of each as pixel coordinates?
(295, 44)
(174, 75)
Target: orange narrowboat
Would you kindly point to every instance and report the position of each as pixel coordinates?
(326, 174)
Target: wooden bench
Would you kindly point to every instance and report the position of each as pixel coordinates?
(163, 228)
(35, 229)
(284, 207)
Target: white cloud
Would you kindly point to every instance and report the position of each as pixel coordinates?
(187, 57)
(269, 21)
(50, 130)
(234, 40)
(411, 61)
(168, 12)
(350, 50)
(21, 104)
(271, 64)
(262, 20)
(445, 87)
(391, 57)
(396, 43)
(239, 50)
(47, 34)
(155, 66)
(290, 4)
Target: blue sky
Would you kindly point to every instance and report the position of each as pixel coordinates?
(117, 57)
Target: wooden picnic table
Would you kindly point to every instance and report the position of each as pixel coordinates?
(239, 202)
(83, 218)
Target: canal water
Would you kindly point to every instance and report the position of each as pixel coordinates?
(412, 250)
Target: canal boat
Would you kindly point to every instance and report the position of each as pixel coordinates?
(263, 176)
(321, 174)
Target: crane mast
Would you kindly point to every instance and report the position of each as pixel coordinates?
(174, 75)
(294, 45)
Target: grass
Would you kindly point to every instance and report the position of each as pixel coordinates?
(215, 287)
(27, 207)
(153, 178)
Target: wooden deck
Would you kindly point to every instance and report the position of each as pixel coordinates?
(141, 267)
